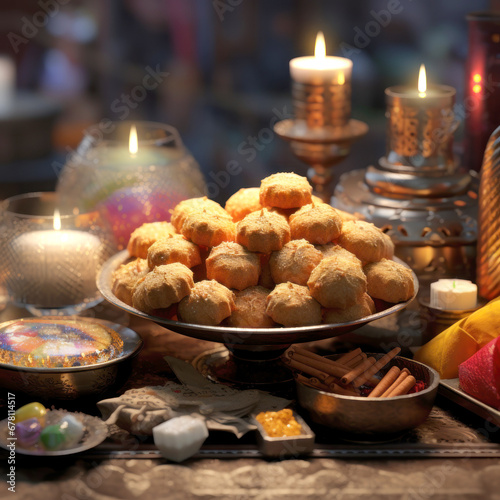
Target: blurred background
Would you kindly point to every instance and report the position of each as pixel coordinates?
(217, 70)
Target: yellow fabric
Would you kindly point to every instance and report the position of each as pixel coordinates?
(460, 341)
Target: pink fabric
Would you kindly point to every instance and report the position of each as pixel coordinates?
(479, 376)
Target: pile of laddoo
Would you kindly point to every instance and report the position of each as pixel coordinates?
(274, 256)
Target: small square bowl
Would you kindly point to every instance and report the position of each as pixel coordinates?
(286, 446)
(362, 419)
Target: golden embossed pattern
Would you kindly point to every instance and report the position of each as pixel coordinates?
(413, 131)
(322, 105)
(488, 245)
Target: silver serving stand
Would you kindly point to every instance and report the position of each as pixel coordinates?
(252, 356)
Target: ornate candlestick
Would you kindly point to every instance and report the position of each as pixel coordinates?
(417, 194)
(322, 132)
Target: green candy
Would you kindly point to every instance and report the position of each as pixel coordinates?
(52, 437)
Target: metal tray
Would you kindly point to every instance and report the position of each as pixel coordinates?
(450, 388)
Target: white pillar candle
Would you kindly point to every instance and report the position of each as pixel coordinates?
(453, 295)
(320, 67)
(55, 268)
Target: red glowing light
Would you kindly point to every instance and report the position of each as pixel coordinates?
(476, 89)
(477, 78)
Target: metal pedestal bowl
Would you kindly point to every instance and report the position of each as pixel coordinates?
(252, 356)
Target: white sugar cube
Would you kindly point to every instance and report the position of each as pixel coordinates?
(180, 437)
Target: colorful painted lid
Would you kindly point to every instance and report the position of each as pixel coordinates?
(57, 342)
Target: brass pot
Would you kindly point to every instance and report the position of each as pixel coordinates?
(372, 419)
(67, 383)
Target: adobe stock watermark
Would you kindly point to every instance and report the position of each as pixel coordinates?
(363, 36)
(247, 149)
(30, 27)
(223, 6)
(11, 442)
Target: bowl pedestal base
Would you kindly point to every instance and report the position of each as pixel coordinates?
(246, 367)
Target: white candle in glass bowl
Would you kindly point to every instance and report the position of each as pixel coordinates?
(55, 268)
(321, 67)
(453, 295)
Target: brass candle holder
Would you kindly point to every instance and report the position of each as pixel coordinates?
(418, 194)
(322, 132)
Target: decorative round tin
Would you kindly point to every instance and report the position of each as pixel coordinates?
(65, 358)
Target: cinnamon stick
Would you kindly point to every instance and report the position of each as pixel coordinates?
(316, 384)
(354, 373)
(323, 365)
(297, 365)
(403, 387)
(404, 373)
(376, 367)
(387, 380)
(344, 391)
(348, 356)
(309, 354)
(311, 382)
(356, 361)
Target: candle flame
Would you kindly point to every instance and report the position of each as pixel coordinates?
(320, 46)
(422, 81)
(341, 78)
(133, 144)
(57, 220)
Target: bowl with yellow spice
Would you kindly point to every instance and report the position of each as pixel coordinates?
(283, 434)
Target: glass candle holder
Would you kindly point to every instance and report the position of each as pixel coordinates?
(482, 94)
(132, 173)
(50, 257)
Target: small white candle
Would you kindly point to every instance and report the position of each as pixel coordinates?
(321, 67)
(56, 268)
(453, 295)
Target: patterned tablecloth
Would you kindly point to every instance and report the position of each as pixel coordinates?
(464, 451)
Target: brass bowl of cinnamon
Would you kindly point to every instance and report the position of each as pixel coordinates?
(364, 419)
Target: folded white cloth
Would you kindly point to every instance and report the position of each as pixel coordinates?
(139, 410)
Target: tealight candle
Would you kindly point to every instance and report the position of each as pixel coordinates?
(321, 87)
(453, 295)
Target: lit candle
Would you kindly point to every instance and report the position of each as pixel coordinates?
(56, 268)
(420, 125)
(137, 182)
(321, 88)
(453, 295)
(321, 67)
(423, 95)
(123, 156)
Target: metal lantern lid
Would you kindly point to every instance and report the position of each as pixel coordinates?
(431, 219)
